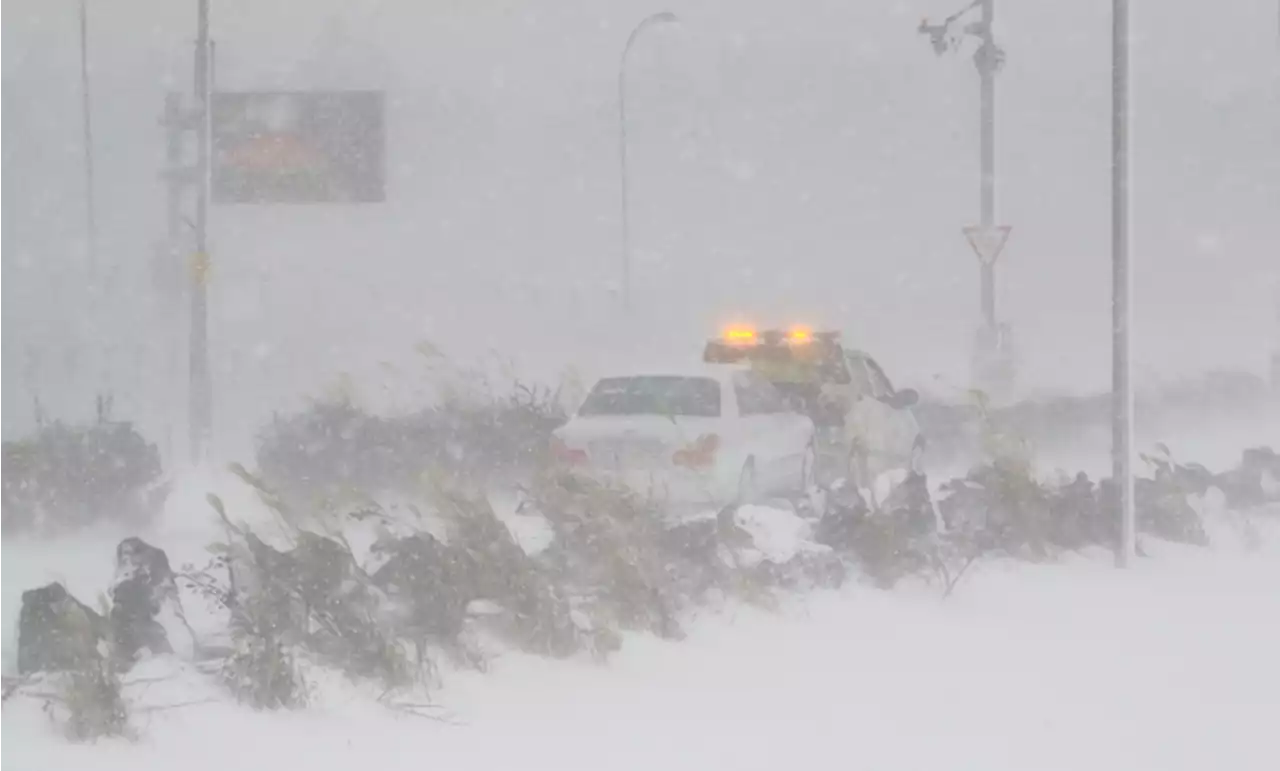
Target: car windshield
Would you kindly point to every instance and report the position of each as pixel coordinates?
(654, 395)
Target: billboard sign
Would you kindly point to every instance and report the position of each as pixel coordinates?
(298, 147)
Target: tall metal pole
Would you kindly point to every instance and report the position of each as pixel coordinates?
(991, 356)
(174, 249)
(663, 17)
(86, 109)
(201, 389)
(1121, 312)
(1275, 287)
(986, 62)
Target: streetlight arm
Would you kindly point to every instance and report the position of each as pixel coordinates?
(662, 17)
(938, 33)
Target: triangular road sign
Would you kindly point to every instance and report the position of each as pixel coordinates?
(987, 241)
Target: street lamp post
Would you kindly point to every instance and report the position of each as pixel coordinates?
(664, 17)
(86, 118)
(1121, 292)
(986, 238)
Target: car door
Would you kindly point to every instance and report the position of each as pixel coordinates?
(868, 424)
(780, 436)
(900, 428)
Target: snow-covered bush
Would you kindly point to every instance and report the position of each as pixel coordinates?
(532, 610)
(259, 669)
(887, 544)
(608, 552)
(998, 507)
(953, 426)
(334, 450)
(1162, 503)
(66, 477)
(65, 647)
(89, 701)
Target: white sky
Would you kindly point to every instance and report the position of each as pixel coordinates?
(808, 160)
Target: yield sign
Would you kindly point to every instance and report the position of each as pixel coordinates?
(987, 241)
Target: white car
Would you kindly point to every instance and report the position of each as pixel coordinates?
(710, 433)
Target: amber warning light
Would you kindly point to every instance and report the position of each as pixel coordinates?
(800, 335)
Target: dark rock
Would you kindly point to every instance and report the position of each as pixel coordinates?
(146, 611)
(56, 632)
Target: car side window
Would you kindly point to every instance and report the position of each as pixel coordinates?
(881, 388)
(860, 379)
(756, 396)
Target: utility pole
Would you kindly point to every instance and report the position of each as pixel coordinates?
(201, 395)
(992, 355)
(1121, 310)
(167, 268)
(985, 59)
(86, 109)
(663, 17)
(1275, 286)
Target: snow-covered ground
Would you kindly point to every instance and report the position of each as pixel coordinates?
(1170, 665)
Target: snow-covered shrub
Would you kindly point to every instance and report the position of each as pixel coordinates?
(259, 668)
(1076, 516)
(334, 450)
(261, 671)
(64, 646)
(887, 544)
(952, 427)
(66, 477)
(1161, 503)
(313, 596)
(493, 569)
(1255, 481)
(1000, 504)
(1000, 508)
(89, 701)
(608, 551)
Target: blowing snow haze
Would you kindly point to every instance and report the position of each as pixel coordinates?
(807, 160)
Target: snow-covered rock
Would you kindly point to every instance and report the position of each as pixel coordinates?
(56, 631)
(146, 612)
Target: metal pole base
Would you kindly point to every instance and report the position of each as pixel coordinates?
(994, 363)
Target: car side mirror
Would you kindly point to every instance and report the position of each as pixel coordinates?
(907, 397)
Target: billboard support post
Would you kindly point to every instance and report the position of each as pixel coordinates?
(258, 147)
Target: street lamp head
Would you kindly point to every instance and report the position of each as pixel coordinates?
(937, 35)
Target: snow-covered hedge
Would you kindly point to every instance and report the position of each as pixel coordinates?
(69, 476)
(953, 425)
(335, 449)
(385, 597)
